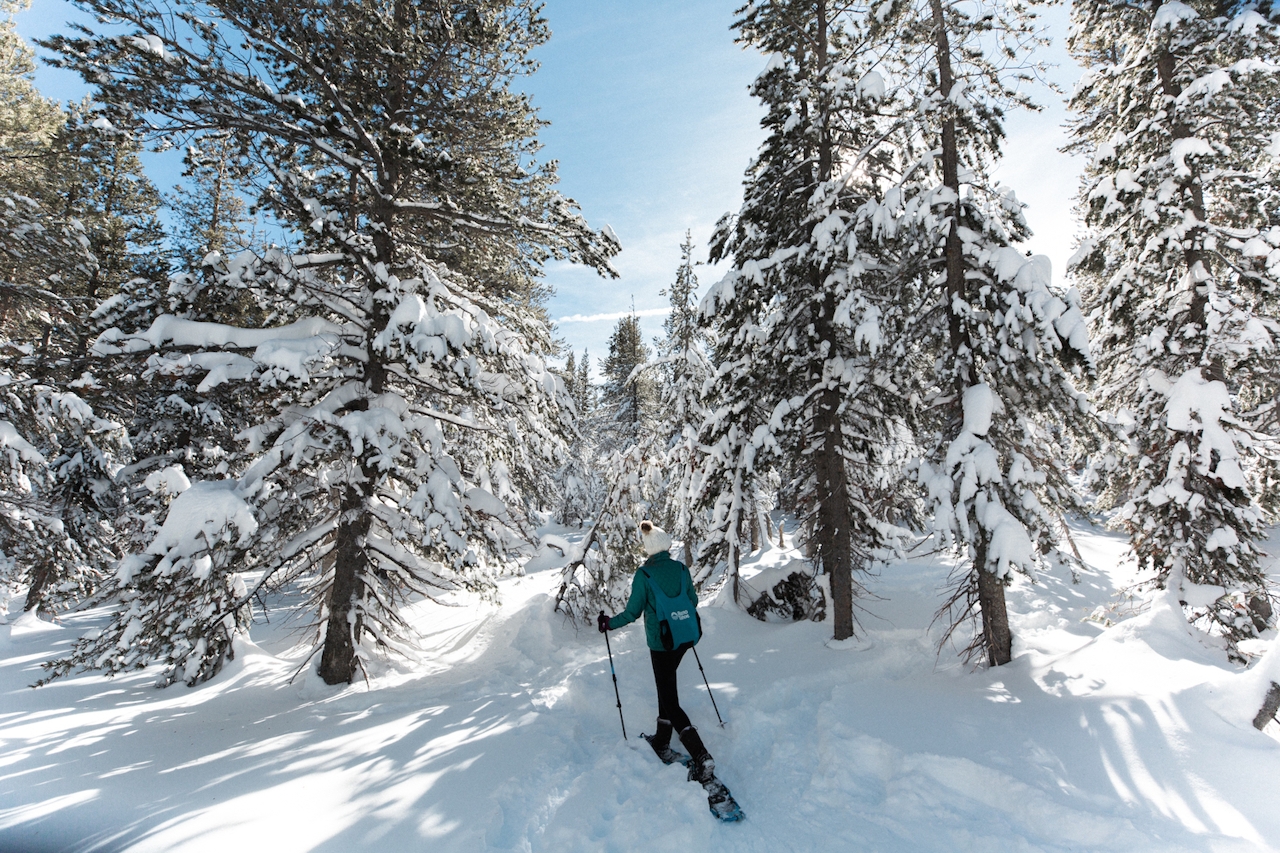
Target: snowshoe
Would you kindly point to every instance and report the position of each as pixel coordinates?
(666, 753)
(720, 801)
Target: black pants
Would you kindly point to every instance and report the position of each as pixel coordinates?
(665, 665)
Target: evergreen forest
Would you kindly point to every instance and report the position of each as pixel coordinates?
(318, 383)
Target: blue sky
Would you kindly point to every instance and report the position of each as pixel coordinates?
(653, 127)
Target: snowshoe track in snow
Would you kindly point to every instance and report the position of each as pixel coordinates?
(505, 737)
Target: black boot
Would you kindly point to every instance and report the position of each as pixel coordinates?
(662, 735)
(702, 767)
(661, 742)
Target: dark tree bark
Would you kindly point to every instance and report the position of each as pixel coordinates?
(833, 547)
(338, 660)
(1270, 706)
(996, 635)
(36, 592)
(834, 527)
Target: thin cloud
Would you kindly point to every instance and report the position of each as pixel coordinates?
(614, 315)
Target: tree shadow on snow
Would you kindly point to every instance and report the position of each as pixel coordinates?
(97, 764)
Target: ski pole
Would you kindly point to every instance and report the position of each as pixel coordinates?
(615, 685)
(704, 681)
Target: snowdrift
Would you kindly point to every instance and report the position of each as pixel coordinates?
(504, 736)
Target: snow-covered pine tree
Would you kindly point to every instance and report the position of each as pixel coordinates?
(645, 420)
(82, 179)
(66, 213)
(1176, 112)
(85, 494)
(578, 482)
(212, 214)
(175, 424)
(181, 600)
(28, 529)
(95, 174)
(406, 400)
(58, 500)
(599, 577)
(32, 542)
(212, 222)
(627, 461)
(636, 407)
(798, 321)
(625, 409)
(684, 369)
(39, 251)
(585, 396)
(27, 118)
(184, 429)
(570, 376)
(999, 348)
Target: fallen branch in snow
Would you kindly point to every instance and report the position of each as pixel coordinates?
(568, 571)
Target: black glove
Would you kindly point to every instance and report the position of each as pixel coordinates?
(602, 622)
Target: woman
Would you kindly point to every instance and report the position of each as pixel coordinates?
(664, 585)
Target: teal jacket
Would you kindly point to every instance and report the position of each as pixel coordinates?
(666, 572)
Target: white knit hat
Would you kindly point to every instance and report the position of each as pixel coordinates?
(655, 539)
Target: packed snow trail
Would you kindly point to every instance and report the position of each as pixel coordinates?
(505, 737)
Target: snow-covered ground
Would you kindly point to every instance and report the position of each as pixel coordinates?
(505, 736)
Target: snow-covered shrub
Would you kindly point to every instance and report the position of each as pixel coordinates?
(793, 598)
(600, 576)
(182, 601)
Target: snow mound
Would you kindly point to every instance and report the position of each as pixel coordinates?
(198, 516)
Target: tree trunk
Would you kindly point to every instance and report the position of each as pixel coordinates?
(1270, 706)
(833, 528)
(1193, 246)
(832, 531)
(734, 561)
(996, 636)
(40, 576)
(338, 661)
(954, 249)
